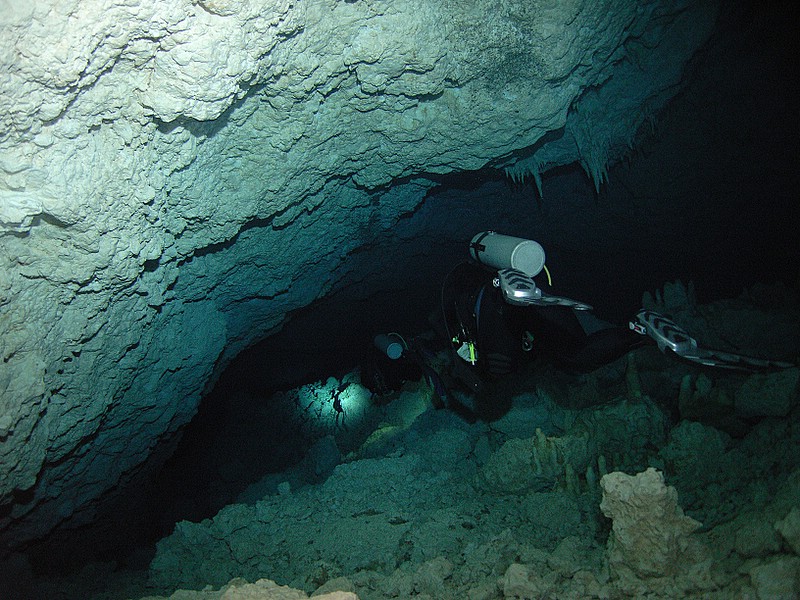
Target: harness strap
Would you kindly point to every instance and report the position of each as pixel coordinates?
(478, 247)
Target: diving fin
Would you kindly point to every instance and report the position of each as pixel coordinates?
(669, 335)
(520, 289)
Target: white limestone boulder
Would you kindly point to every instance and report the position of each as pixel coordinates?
(650, 535)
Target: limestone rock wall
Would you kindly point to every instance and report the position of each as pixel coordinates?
(176, 176)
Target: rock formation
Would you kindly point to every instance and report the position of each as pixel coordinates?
(175, 177)
(650, 534)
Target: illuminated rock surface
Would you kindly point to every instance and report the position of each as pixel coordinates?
(169, 169)
(176, 178)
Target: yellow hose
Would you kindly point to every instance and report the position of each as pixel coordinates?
(549, 279)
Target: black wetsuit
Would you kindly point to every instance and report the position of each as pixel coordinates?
(506, 335)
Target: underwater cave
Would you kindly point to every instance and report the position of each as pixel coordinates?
(209, 211)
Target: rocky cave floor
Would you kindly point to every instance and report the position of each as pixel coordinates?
(568, 495)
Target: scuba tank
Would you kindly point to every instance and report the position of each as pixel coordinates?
(499, 251)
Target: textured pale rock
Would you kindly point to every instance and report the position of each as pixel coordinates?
(263, 589)
(522, 582)
(168, 169)
(337, 584)
(430, 576)
(650, 533)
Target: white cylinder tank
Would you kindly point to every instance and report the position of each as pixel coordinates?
(507, 252)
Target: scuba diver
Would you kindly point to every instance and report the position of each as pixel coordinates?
(494, 318)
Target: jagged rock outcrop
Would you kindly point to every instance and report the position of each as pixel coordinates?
(650, 536)
(169, 169)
